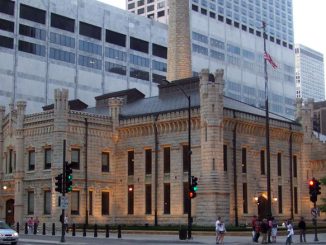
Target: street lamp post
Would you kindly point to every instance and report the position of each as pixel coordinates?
(189, 155)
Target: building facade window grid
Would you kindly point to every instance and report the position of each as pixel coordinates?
(75, 199)
(105, 162)
(30, 202)
(148, 199)
(75, 158)
(166, 159)
(47, 158)
(148, 161)
(130, 163)
(47, 202)
(31, 160)
(130, 199)
(167, 198)
(105, 203)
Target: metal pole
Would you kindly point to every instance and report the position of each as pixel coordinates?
(189, 162)
(269, 196)
(63, 191)
(315, 224)
(86, 172)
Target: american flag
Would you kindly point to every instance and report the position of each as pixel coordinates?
(270, 60)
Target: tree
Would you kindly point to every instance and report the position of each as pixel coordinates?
(322, 207)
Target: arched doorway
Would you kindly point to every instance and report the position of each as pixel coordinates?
(10, 212)
(262, 207)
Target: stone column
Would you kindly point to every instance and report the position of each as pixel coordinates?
(179, 48)
(214, 195)
(2, 115)
(60, 113)
(115, 105)
(19, 171)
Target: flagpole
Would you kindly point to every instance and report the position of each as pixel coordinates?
(269, 196)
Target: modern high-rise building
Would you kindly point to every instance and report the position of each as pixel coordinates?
(87, 47)
(92, 48)
(309, 73)
(228, 34)
(245, 14)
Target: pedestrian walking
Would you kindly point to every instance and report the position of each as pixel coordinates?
(264, 231)
(36, 223)
(274, 229)
(30, 225)
(269, 221)
(257, 230)
(290, 232)
(218, 221)
(221, 230)
(253, 225)
(302, 228)
(66, 223)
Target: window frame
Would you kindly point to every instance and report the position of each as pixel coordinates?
(167, 160)
(75, 165)
(47, 165)
(30, 202)
(47, 206)
(31, 166)
(105, 167)
(75, 194)
(148, 161)
(105, 206)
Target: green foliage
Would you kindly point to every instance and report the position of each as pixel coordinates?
(323, 206)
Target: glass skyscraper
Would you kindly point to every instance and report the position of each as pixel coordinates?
(309, 73)
(228, 34)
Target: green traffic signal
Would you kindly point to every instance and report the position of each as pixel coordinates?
(68, 180)
(195, 188)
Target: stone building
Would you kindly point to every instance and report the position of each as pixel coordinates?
(130, 157)
(130, 153)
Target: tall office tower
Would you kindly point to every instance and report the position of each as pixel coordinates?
(85, 46)
(309, 73)
(228, 34)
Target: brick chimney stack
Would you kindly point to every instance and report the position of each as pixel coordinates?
(179, 49)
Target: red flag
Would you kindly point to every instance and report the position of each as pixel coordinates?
(270, 60)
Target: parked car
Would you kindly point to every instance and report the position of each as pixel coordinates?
(7, 235)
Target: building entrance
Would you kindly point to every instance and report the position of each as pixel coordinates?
(10, 212)
(262, 207)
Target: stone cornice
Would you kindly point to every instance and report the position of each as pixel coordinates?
(166, 123)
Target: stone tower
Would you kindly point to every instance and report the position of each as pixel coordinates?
(214, 195)
(115, 105)
(179, 49)
(19, 172)
(60, 129)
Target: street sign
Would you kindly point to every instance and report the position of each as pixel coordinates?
(314, 212)
(64, 203)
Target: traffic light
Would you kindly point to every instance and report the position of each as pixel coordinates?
(192, 194)
(311, 186)
(314, 189)
(58, 183)
(68, 182)
(194, 183)
(193, 187)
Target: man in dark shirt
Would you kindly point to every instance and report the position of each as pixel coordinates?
(302, 227)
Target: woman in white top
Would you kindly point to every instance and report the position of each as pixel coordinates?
(216, 229)
(221, 230)
(290, 232)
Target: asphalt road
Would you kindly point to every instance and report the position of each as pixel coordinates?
(153, 239)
